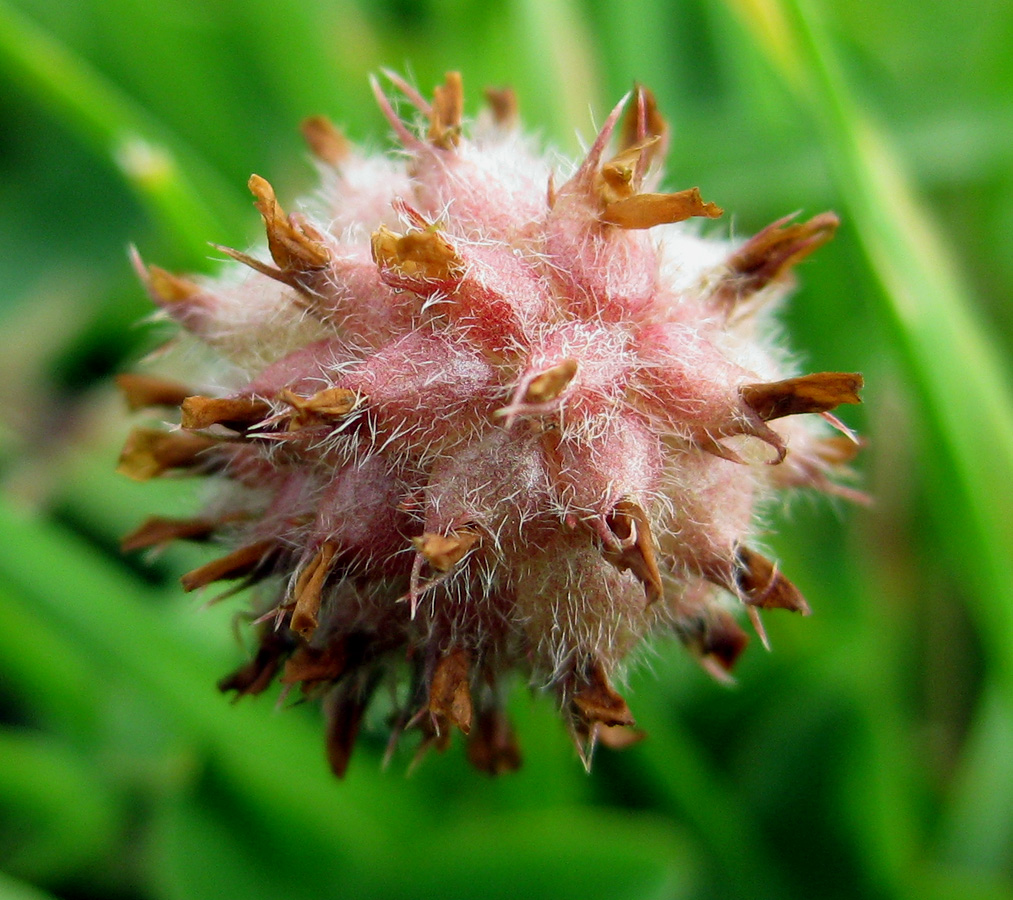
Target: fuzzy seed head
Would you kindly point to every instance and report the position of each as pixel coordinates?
(490, 417)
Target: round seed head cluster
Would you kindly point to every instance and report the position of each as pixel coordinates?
(491, 417)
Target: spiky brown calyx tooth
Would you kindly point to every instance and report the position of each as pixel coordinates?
(308, 591)
(618, 737)
(325, 141)
(492, 745)
(816, 393)
(310, 666)
(635, 549)
(345, 708)
(418, 260)
(145, 391)
(595, 706)
(235, 413)
(447, 112)
(502, 103)
(157, 530)
(257, 675)
(323, 407)
(444, 551)
(643, 121)
(149, 452)
(722, 639)
(247, 560)
(770, 254)
(166, 288)
(621, 177)
(760, 583)
(838, 450)
(648, 210)
(449, 691)
(295, 246)
(596, 701)
(550, 383)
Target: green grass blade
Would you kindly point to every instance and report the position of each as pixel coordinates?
(964, 383)
(13, 889)
(955, 365)
(54, 836)
(180, 192)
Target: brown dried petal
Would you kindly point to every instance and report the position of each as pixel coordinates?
(324, 406)
(256, 676)
(149, 452)
(418, 256)
(295, 246)
(643, 121)
(723, 639)
(237, 413)
(308, 591)
(817, 393)
(158, 530)
(629, 520)
(443, 552)
(548, 385)
(621, 177)
(771, 253)
(503, 104)
(449, 691)
(325, 141)
(618, 737)
(143, 391)
(313, 665)
(447, 112)
(598, 702)
(648, 210)
(345, 709)
(761, 584)
(237, 564)
(492, 746)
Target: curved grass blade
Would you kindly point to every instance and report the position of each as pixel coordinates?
(963, 383)
(180, 192)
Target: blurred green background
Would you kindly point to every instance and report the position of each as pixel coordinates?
(870, 755)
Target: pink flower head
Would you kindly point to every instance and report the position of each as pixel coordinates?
(489, 417)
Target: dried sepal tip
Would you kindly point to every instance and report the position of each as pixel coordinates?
(149, 452)
(145, 391)
(648, 210)
(450, 693)
(325, 141)
(632, 547)
(416, 260)
(446, 112)
(235, 413)
(308, 591)
(245, 561)
(444, 551)
(816, 393)
(769, 256)
(502, 103)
